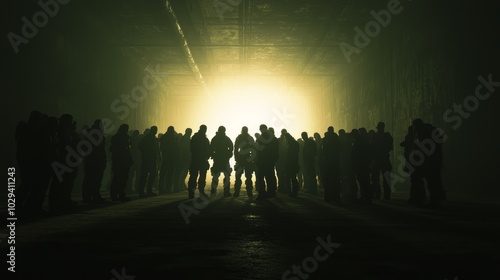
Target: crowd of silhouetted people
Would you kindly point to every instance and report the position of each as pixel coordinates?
(354, 165)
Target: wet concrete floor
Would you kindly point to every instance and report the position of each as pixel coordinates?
(241, 238)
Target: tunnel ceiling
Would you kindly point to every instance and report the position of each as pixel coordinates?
(293, 39)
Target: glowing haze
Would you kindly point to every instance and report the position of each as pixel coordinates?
(250, 102)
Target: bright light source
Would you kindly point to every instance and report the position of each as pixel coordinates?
(249, 101)
(253, 103)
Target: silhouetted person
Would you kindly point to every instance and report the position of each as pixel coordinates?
(221, 150)
(257, 147)
(309, 157)
(430, 169)
(27, 138)
(330, 165)
(36, 150)
(362, 131)
(177, 170)
(274, 150)
(283, 182)
(348, 184)
(133, 178)
(94, 166)
(170, 154)
(121, 160)
(149, 155)
(361, 166)
(61, 188)
(185, 156)
(200, 153)
(49, 154)
(300, 175)
(407, 146)
(292, 164)
(381, 145)
(318, 140)
(267, 155)
(371, 133)
(244, 155)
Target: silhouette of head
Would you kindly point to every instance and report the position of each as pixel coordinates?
(410, 130)
(153, 130)
(317, 136)
(342, 132)
(355, 134)
(244, 130)
(381, 127)
(283, 131)
(418, 124)
(170, 130)
(262, 128)
(203, 129)
(34, 118)
(188, 131)
(221, 130)
(362, 131)
(270, 132)
(331, 130)
(123, 129)
(304, 135)
(66, 121)
(98, 125)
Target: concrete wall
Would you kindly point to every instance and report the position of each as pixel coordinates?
(424, 61)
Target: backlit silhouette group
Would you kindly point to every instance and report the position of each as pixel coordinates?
(348, 164)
